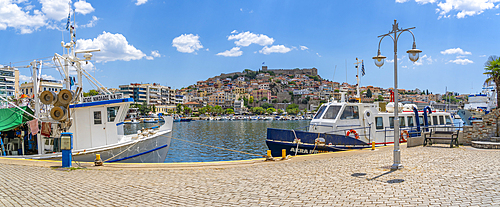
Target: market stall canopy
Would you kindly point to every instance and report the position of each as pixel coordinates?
(10, 118)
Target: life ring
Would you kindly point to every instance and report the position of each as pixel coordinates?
(354, 132)
(407, 136)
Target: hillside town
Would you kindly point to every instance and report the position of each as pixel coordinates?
(242, 92)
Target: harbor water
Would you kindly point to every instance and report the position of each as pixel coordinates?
(246, 136)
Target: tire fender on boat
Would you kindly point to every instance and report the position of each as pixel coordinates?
(354, 132)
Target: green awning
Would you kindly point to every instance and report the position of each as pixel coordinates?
(10, 118)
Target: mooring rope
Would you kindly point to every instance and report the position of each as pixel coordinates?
(248, 153)
(298, 142)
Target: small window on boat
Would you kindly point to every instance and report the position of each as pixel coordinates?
(320, 112)
(379, 123)
(391, 122)
(421, 120)
(402, 121)
(435, 120)
(429, 120)
(332, 112)
(97, 117)
(441, 120)
(448, 119)
(112, 112)
(410, 121)
(350, 112)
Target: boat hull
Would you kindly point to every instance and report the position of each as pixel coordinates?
(279, 139)
(151, 150)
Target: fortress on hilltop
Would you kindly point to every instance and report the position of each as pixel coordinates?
(311, 71)
(306, 71)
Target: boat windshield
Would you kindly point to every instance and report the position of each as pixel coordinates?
(332, 112)
(320, 112)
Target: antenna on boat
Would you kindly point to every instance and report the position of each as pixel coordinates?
(333, 98)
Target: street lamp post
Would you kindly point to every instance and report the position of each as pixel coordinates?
(379, 61)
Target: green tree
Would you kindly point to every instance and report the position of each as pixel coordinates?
(144, 109)
(179, 109)
(270, 110)
(293, 111)
(92, 92)
(258, 110)
(218, 110)
(369, 93)
(229, 111)
(280, 111)
(292, 106)
(492, 70)
(266, 105)
(250, 100)
(380, 98)
(187, 110)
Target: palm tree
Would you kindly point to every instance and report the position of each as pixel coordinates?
(492, 68)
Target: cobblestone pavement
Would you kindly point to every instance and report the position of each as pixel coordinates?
(432, 176)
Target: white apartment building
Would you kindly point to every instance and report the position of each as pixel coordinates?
(9, 81)
(45, 85)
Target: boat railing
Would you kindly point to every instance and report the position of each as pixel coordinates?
(361, 131)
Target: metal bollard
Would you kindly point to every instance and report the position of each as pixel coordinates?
(373, 145)
(283, 154)
(98, 161)
(269, 153)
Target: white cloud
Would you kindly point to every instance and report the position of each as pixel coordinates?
(404, 66)
(482, 55)
(246, 38)
(88, 66)
(234, 31)
(55, 9)
(461, 61)
(466, 7)
(83, 7)
(463, 8)
(234, 52)
(113, 47)
(139, 2)
(47, 77)
(23, 78)
(318, 54)
(91, 23)
(155, 53)
(187, 43)
(425, 1)
(303, 47)
(274, 49)
(457, 50)
(11, 15)
(423, 59)
(22, 15)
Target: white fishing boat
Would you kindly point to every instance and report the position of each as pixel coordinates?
(479, 105)
(342, 125)
(96, 122)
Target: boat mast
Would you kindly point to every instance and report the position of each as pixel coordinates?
(358, 96)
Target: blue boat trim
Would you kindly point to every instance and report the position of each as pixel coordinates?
(97, 103)
(120, 123)
(136, 155)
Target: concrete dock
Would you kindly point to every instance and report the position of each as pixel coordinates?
(432, 176)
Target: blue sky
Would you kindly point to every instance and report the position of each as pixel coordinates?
(177, 43)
